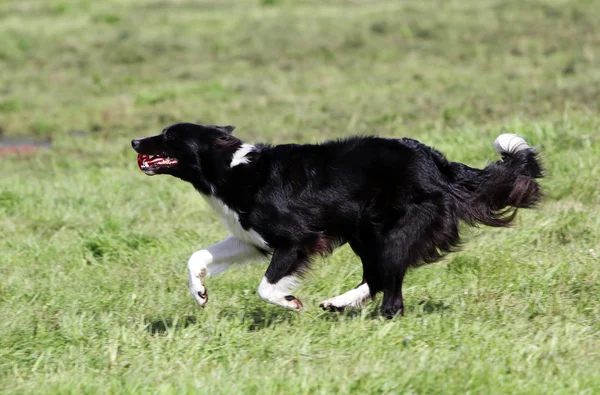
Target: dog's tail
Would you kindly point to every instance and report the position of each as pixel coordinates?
(494, 194)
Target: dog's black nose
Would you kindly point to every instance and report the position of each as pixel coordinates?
(135, 143)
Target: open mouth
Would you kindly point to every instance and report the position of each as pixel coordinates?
(150, 163)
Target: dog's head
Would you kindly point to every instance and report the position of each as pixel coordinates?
(185, 150)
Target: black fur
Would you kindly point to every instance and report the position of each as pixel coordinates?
(397, 202)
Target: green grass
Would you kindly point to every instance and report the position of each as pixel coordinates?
(93, 287)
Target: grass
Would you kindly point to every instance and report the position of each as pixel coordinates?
(93, 287)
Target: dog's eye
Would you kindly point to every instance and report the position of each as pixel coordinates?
(169, 135)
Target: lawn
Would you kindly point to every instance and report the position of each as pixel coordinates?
(93, 279)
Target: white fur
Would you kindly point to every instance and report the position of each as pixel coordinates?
(276, 293)
(239, 157)
(354, 298)
(510, 143)
(216, 259)
(230, 219)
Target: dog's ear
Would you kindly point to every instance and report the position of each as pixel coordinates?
(226, 129)
(227, 141)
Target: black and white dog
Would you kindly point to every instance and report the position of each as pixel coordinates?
(397, 202)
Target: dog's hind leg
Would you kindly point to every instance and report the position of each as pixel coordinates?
(393, 303)
(424, 235)
(282, 276)
(216, 259)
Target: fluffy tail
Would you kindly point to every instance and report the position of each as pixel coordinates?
(496, 192)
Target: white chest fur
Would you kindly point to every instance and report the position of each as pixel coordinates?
(230, 220)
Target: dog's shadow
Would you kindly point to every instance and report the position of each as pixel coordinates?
(427, 306)
(254, 318)
(162, 327)
(257, 318)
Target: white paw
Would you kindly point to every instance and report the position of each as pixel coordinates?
(198, 290)
(292, 303)
(354, 298)
(333, 304)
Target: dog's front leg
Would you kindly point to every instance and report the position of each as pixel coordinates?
(282, 277)
(356, 297)
(216, 259)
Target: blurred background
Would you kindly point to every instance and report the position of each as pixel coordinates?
(285, 70)
(93, 286)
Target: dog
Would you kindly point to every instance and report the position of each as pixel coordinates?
(397, 202)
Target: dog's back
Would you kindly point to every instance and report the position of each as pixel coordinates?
(332, 188)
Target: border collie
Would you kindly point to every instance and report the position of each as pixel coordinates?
(396, 202)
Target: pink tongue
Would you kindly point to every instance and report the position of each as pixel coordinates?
(156, 160)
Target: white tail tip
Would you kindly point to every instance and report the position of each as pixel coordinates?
(510, 143)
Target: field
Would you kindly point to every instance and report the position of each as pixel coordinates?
(93, 278)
